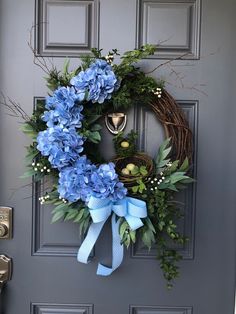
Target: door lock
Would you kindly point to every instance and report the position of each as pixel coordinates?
(3, 230)
(5, 223)
(5, 270)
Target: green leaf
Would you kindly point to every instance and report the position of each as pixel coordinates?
(148, 238)
(185, 165)
(177, 176)
(188, 180)
(61, 207)
(29, 130)
(96, 127)
(58, 202)
(132, 236)
(94, 137)
(123, 227)
(173, 167)
(54, 195)
(66, 66)
(141, 186)
(84, 225)
(32, 153)
(168, 186)
(28, 174)
(91, 119)
(151, 208)
(135, 171)
(71, 214)
(135, 188)
(161, 225)
(143, 170)
(79, 215)
(166, 152)
(127, 241)
(150, 225)
(172, 187)
(163, 152)
(57, 216)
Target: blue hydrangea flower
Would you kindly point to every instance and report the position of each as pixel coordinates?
(106, 183)
(99, 81)
(61, 145)
(66, 95)
(75, 181)
(63, 108)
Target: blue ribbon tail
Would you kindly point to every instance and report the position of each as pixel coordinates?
(117, 251)
(89, 242)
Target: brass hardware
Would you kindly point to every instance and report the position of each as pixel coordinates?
(115, 122)
(5, 222)
(5, 270)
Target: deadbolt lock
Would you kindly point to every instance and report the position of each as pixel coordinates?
(5, 222)
(3, 230)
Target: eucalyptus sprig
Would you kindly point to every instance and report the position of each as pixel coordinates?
(164, 212)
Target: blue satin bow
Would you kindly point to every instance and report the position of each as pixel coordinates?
(131, 209)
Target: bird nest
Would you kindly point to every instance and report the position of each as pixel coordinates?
(138, 160)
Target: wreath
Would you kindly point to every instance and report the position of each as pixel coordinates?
(134, 190)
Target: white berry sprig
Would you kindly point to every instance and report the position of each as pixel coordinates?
(39, 167)
(158, 92)
(44, 198)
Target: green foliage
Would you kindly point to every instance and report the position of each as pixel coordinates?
(31, 154)
(136, 88)
(96, 54)
(130, 57)
(60, 78)
(127, 235)
(122, 98)
(86, 61)
(91, 132)
(92, 136)
(163, 153)
(29, 130)
(148, 233)
(130, 138)
(168, 263)
(162, 215)
(28, 174)
(140, 187)
(90, 119)
(76, 212)
(139, 171)
(164, 212)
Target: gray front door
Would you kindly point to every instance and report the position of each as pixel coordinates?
(46, 276)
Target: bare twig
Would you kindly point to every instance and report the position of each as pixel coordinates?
(194, 88)
(39, 60)
(167, 62)
(14, 108)
(160, 42)
(180, 78)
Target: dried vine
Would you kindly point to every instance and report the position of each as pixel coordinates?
(175, 125)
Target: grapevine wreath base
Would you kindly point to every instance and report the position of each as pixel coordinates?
(136, 191)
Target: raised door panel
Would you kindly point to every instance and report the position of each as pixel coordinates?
(66, 28)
